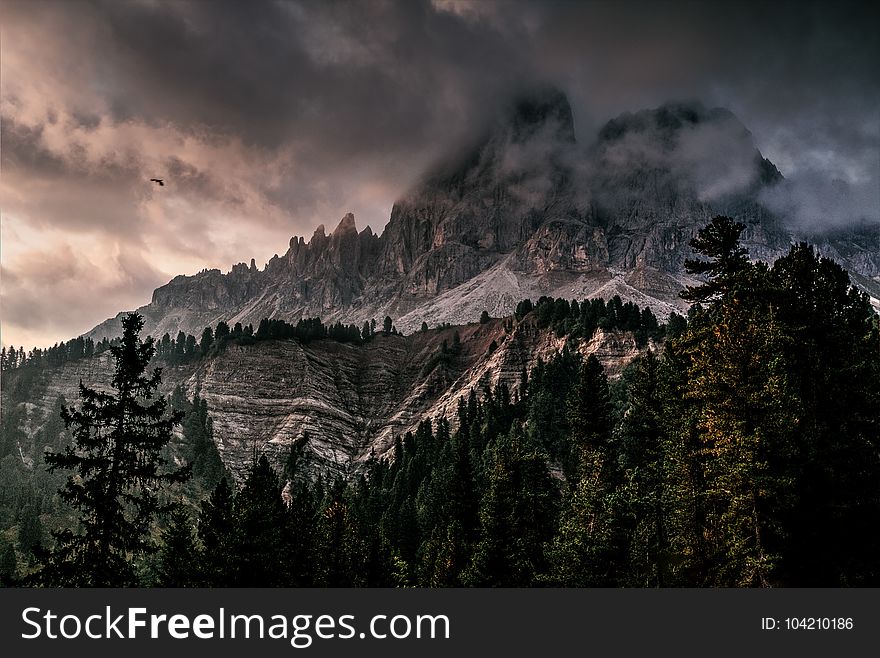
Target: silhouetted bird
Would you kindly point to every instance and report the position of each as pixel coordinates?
(158, 180)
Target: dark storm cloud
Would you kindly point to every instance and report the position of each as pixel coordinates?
(347, 77)
(371, 80)
(268, 118)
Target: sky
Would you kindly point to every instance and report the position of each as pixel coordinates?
(268, 118)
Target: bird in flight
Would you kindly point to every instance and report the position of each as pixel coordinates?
(158, 180)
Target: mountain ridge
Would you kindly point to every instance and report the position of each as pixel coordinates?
(350, 400)
(521, 213)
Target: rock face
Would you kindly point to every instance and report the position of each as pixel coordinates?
(523, 212)
(351, 400)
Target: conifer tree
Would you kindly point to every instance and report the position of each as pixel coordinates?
(641, 454)
(719, 241)
(589, 418)
(745, 431)
(339, 547)
(517, 517)
(578, 555)
(260, 519)
(833, 362)
(118, 471)
(589, 549)
(8, 565)
(179, 556)
(207, 341)
(216, 532)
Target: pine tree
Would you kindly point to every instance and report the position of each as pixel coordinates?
(8, 565)
(339, 548)
(736, 431)
(589, 549)
(302, 524)
(579, 554)
(517, 517)
(641, 453)
(216, 532)
(745, 444)
(833, 363)
(118, 471)
(179, 556)
(206, 341)
(221, 334)
(198, 436)
(719, 241)
(683, 475)
(589, 418)
(260, 519)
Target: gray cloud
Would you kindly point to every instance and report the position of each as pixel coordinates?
(268, 118)
(813, 202)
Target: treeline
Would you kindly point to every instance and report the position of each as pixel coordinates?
(567, 318)
(52, 357)
(581, 320)
(186, 347)
(214, 340)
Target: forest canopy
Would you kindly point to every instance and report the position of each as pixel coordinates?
(742, 448)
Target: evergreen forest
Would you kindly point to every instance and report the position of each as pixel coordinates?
(741, 449)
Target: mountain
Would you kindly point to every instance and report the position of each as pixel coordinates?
(522, 212)
(351, 400)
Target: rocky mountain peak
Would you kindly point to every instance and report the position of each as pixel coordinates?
(678, 164)
(346, 225)
(541, 110)
(665, 121)
(521, 212)
(529, 129)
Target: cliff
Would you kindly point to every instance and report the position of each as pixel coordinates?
(351, 400)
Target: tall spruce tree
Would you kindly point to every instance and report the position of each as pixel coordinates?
(589, 549)
(118, 471)
(216, 533)
(517, 516)
(641, 441)
(719, 241)
(179, 556)
(589, 418)
(260, 529)
(745, 436)
(736, 428)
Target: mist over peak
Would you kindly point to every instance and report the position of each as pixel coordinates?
(534, 110)
(811, 201)
(664, 121)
